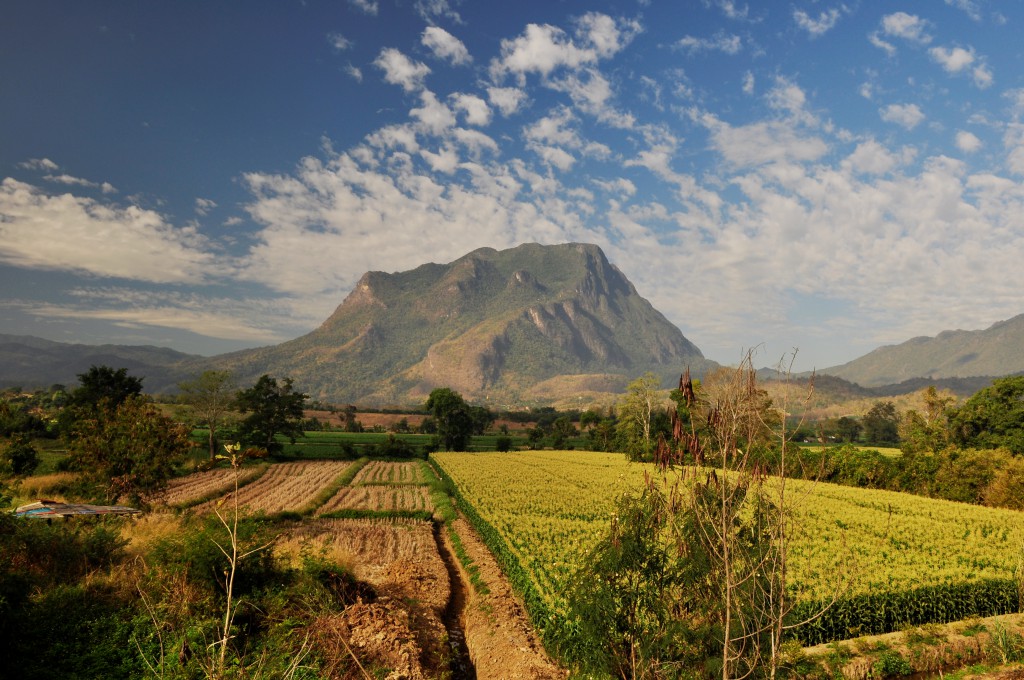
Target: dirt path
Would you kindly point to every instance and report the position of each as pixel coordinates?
(455, 612)
(502, 643)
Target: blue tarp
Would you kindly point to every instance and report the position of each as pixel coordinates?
(45, 509)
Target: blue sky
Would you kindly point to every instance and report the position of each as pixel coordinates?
(826, 176)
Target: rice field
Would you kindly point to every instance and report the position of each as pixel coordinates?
(286, 487)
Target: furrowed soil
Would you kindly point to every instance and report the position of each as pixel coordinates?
(412, 612)
(500, 639)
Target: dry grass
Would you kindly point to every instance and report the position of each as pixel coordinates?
(379, 498)
(45, 486)
(284, 487)
(144, 531)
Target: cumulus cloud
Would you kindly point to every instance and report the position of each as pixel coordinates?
(720, 42)
(70, 233)
(956, 60)
(969, 6)
(205, 205)
(819, 26)
(967, 142)
(476, 110)
(731, 10)
(907, 26)
(905, 115)
(339, 42)
(432, 10)
(367, 6)
(953, 60)
(748, 83)
(506, 99)
(40, 164)
(446, 46)
(401, 70)
(543, 48)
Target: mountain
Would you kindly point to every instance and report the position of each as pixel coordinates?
(532, 323)
(995, 351)
(33, 362)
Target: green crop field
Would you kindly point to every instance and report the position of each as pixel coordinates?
(551, 507)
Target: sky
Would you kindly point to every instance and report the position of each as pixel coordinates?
(813, 176)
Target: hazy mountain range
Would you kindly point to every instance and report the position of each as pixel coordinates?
(532, 324)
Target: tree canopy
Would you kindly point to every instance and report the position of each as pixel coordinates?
(993, 417)
(103, 384)
(274, 409)
(453, 418)
(129, 451)
(209, 399)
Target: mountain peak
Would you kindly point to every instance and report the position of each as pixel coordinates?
(491, 324)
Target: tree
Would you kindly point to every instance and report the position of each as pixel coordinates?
(452, 417)
(209, 399)
(130, 451)
(927, 430)
(273, 410)
(105, 385)
(714, 539)
(882, 424)
(993, 417)
(848, 429)
(635, 412)
(20, 457)
(561, 430)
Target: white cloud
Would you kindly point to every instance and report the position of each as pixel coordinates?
(825, 22)
(339, 42)
(967, 142)
(957, 60)
(40, 164)
(764, 142)
(205, 205)
(400, 70)
(953, 60)
(720, 42)
(905, 115)
(731, 10)
(433, 9)
(70, 233)
(476, 109)
(434, 116)
(354, 73)
(367, 6)
(875, 40)
(870, 157)
(444, 45)
(787, 97)
(506, 99)
(982, 76)
(907, 26)
(70, 180)
(748, 83)
(968, 6)
(544, 48)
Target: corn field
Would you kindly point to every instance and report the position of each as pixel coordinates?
(893, 558)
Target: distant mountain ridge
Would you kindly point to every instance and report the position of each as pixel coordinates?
(528, 323)
(994, 351)
(30, 361)
(531, 324)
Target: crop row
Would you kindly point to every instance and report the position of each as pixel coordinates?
(184, 490)
(288, 487)
(381, 472)
(550, 508)
(379, 498)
